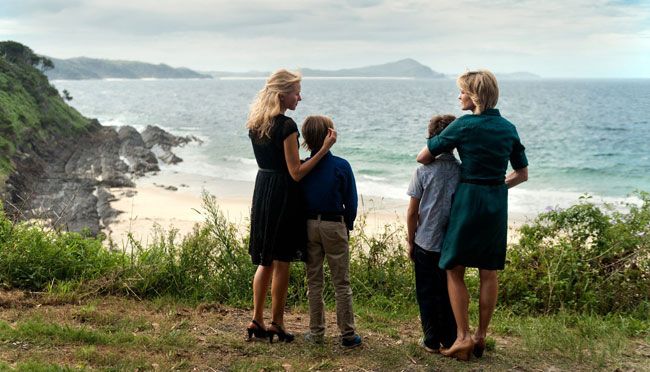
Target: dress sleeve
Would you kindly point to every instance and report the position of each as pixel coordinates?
(288, 128)
(447, 140)
(518, 158)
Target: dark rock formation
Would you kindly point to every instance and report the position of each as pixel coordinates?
(161, 143)
(65, 180)
(132, 148)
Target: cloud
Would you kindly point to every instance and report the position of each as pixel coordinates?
(19, 8)
(335, 33)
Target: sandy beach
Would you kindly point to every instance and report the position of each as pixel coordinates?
(151, 205)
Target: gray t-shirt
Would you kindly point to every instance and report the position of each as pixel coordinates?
(434, 184)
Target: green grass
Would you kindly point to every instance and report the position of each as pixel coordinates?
(572, 338)
(119, 333)
(42, 332)
(37, 366)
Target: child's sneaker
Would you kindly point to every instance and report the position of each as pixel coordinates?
(314, 339)
(351, 343)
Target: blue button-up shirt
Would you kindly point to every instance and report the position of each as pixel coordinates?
(330, 189)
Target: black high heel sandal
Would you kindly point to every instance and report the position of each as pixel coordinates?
(479, 348)
(283, 336)
(258, 331)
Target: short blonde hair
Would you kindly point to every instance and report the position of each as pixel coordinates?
(482, 88)
(314, 130)
(267, 104)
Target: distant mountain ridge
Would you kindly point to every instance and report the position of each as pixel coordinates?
(92, 68)
(407, 68)
(404, 68)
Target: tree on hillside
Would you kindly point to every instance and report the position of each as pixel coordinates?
(16, 52)
(66, 95)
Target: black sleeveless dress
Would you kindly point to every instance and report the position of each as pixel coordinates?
(278, 221)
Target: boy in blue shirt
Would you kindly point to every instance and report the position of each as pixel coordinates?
(331, 203)
(431, 190)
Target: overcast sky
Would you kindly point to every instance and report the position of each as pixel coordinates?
(568, 38)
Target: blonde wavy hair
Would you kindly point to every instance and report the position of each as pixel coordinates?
(267, 101)
(482, 88)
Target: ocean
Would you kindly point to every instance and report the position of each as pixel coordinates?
(582, 137)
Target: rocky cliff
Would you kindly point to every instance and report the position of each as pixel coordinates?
(56, 165)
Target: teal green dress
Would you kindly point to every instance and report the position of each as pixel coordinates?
(478, 223)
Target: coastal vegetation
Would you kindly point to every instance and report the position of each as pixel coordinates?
(575, 292)
(31, 110)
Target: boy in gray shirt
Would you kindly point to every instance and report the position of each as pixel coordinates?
(431, 191)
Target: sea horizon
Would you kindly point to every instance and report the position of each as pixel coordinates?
(594, 146)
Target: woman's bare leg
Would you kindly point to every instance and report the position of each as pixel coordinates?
(487, 301)
(261, 281)
(459, 298)
(279, 288)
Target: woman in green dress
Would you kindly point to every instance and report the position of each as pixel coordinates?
(478, 224)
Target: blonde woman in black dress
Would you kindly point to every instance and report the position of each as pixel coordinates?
(278, 224)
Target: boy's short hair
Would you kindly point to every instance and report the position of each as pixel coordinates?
(314, 130)
(438, 123)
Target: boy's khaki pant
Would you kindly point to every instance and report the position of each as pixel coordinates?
(329, 239)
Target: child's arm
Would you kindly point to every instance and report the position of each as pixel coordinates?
(412, 215)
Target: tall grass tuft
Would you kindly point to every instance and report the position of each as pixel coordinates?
(211, 263)
(380, 271)
(33, 258)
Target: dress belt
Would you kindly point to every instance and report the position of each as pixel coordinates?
(488, 182)
(325, 217)
(267, 170)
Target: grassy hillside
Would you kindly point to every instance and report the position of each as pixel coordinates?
(31, 110)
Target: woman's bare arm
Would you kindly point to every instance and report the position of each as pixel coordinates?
(516, 177)
(298, 170)
(425, 157)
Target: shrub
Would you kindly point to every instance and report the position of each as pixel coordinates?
(209, 264)
(379, 266)
(584, 258)
(32, 258)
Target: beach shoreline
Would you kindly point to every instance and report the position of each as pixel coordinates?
(172, 199)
